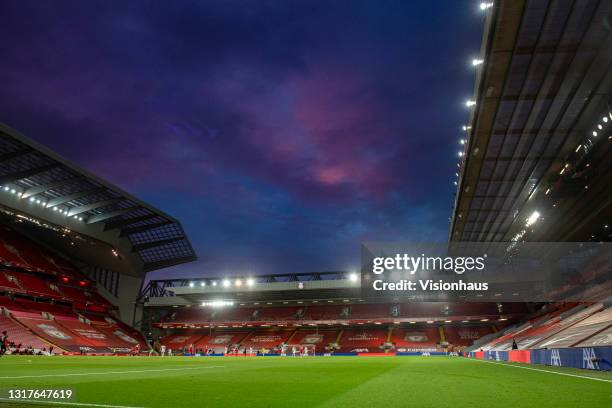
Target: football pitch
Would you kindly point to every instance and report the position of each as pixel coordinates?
(186, 382)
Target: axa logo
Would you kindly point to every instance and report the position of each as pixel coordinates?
(589, 359)
(555, 358)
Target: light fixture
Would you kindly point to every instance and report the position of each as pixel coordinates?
(214, 283)
(476, 62)
(226, 283)
(250, 282)
(191, 284)
(460, 154)
(202, 284)
(485, 5)
(353, 277)
(533, 218)
(470, 103)
(218, 303)
(595, 133)
(238, 282)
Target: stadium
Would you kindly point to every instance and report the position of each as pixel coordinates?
(82, 319)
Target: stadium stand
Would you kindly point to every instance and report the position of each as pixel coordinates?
(219, 340)
(416, 339)
(362, 340)
(465, 336)
(265, 339)
(21, 336)
(319, 338)
(580, 331)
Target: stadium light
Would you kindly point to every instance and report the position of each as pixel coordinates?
(486, 5)
(476, 62)
(595, 133)
(202, 284)
(533, 218)
(191, 284)
(214, 283)
(462, 141)
(238, 283)
(353, 277)
(484, 320)
(226, 283)
(250, 282)
(448, 321)
(460, 154)
(605, 119)
(218, 303)
(469, 103)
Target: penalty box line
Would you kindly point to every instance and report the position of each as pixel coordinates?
(62, 403)
(541, 370)
(108, 373)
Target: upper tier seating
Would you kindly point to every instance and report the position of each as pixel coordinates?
(20, 252)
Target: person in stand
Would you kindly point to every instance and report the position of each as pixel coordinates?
(3, 342)
(191, 349)
(514, 345)
(136, 350)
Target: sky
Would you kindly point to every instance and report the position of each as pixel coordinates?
(282, 134)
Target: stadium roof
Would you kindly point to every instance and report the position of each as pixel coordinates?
(537, 154)
(36, 181)
(280, 287)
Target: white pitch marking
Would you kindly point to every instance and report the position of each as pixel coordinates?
(107, 372)
(539, 369)
(78, 404)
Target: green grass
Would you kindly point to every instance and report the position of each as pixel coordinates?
(336, 382)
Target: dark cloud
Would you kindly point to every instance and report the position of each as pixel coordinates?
(282, 133)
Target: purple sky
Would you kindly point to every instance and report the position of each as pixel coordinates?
(281, 133)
